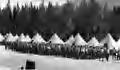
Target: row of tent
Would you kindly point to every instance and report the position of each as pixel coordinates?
(55, 39)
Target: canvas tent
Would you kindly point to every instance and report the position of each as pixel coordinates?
(24, 38)
(7, 34)
(38, 39)
(10, 38)
(93, 42)
(27, 38)
(55, 39)
(118, 44)
(1, 37)
(16, 36)
(109, 41)
(21, 38)
(70, 41)
(79, 41)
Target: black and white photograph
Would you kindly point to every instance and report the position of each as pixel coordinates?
(59, 34)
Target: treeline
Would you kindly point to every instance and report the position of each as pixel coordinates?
(89, 18)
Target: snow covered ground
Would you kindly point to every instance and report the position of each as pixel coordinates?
(12, 61)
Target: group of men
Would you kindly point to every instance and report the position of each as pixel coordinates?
(76, 52)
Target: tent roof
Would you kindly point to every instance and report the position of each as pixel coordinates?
(38, 39)
(10, 38)
(70, 41)
(118, 44)
(28, 38)
(93, 42)
(16, 36)
(79, 41)
(24, 38)
(8, 34)
(56, 40)
(110, 41)
(1, 37)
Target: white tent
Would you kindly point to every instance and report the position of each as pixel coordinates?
(79, 41)
(109, 41)
(24, 38)
(7, 34)
(27, 38)
(70, 41)
(93, 42)
(56, 40)
(1, 37)
(16, 36)
(118, 44)
(10, 38)
(21, 38)
(38, 39)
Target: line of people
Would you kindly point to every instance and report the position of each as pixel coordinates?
(74, 47)
(76, 52)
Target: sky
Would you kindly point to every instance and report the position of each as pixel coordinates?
(111, 3)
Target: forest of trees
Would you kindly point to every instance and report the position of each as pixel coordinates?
(89, 18)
